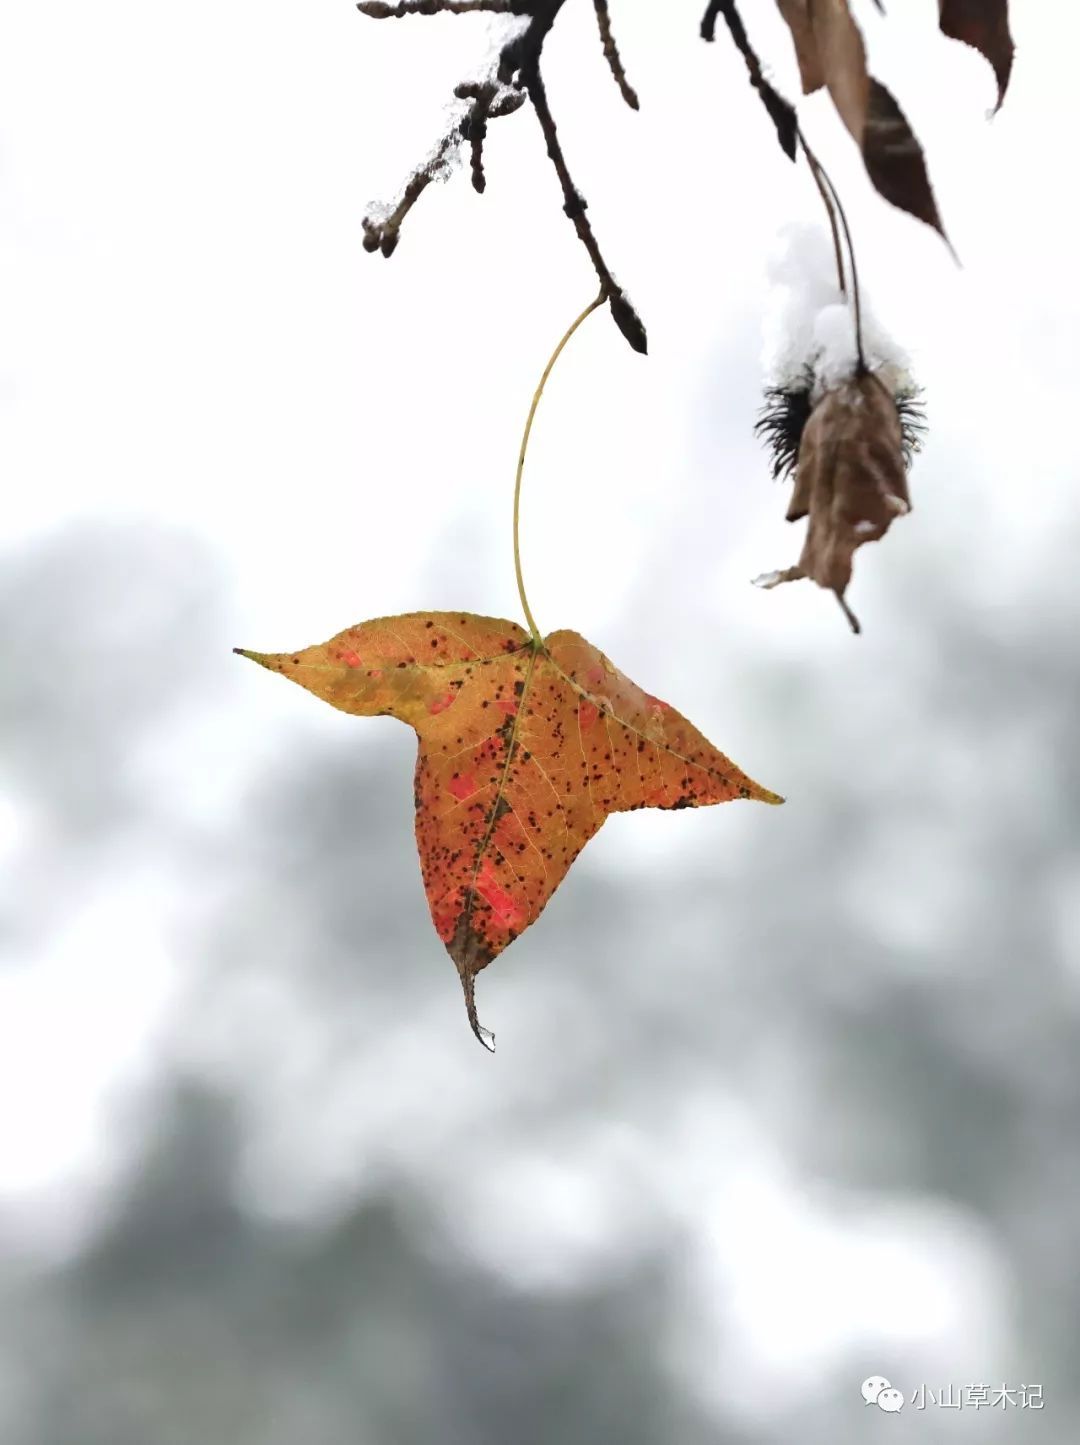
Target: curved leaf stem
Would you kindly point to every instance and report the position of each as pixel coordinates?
(820, 179)
(537, 394)
(855, 299)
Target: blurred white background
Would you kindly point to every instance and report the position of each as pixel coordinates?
(783, 1098)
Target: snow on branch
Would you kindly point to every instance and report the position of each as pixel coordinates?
(511, 76)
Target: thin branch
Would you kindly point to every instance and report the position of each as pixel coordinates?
(575, 206)
(377, 10)
(781, 111)
(383, 233)
(488, 104)
(611, 52)
(517, 74)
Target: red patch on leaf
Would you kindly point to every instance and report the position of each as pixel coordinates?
(442, 703)
(657, 702)
(350, 658)
(595, 676)
(509, 913)
(587, 713)
(508, 706)
(462, 785)
(445, 915)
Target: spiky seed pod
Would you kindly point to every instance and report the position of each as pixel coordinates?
(786, 410)
(781, 423)
(851, 455)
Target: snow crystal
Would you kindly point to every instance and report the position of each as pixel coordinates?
(499, 30)
(377, 213)
(444, 161)
(834, 352)
(802, 274)
(810, 325)
(802, 255)
(446, 157)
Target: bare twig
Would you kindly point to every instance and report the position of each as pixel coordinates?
(516, 75)
(781, 111)
(575, 206)
(611, 51)
(377, 10)
(382, 233)
(488, 104)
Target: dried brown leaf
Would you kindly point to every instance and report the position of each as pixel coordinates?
(797, 15)
(830, 50)
(983, 24)
(895, 161)
(842, 56)
(851, 480)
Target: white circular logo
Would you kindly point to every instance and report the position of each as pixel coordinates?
(873, 1387)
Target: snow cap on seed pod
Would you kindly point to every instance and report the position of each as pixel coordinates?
(841, 414)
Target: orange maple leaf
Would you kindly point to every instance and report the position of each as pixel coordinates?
(525, 747)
